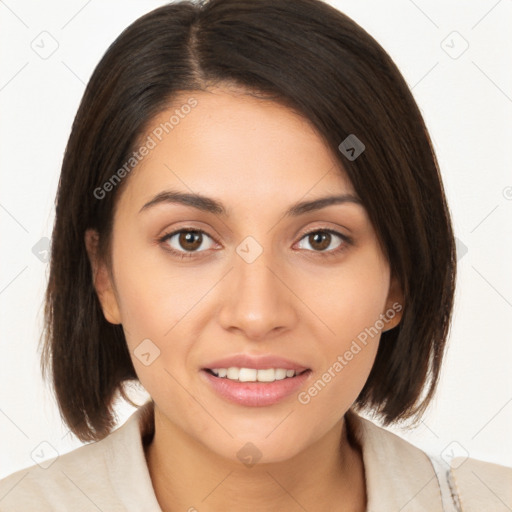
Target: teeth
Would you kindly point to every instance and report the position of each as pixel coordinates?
(253, 375)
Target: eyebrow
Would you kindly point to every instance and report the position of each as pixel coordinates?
(210, 205)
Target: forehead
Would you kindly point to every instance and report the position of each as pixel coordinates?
(231, 145)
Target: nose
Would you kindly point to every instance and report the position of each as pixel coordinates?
(257, 298)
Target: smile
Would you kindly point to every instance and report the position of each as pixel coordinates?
(254, 387)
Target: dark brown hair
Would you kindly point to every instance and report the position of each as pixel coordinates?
(312, 58)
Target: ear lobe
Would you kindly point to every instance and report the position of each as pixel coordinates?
(394, 305)
(101, 279)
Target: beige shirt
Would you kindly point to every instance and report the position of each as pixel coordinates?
(111, 475)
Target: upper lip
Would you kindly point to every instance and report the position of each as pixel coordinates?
(257, 362)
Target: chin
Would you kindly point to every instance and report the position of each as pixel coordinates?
(256, 446)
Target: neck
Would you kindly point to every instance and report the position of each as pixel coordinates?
(188, 476)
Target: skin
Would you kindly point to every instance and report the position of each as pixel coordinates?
(258, 158)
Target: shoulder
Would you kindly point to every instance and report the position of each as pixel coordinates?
(96, 476)
(68, 479)
(403, 475)
(481, 485)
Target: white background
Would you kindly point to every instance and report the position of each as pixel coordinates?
(467, 105)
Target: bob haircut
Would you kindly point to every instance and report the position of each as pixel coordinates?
(311, 58)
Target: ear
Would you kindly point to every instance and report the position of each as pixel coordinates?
(101, 279)
(394, 304)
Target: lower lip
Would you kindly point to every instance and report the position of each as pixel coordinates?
(255, 394)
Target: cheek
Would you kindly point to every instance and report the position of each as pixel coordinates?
(154, 306)
(349, 306)
(161, 304)
(153, 293)
(350, 298)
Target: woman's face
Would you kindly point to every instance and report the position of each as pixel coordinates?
(310, 287)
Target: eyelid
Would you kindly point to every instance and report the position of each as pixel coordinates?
(326, 229)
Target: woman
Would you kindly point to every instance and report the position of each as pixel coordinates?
(250, 221)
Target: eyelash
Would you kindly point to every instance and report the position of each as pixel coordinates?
(347, 241)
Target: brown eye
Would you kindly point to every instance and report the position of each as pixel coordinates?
(186, 242)
(321, 240)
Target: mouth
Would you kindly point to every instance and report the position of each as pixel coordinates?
(255, 387)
